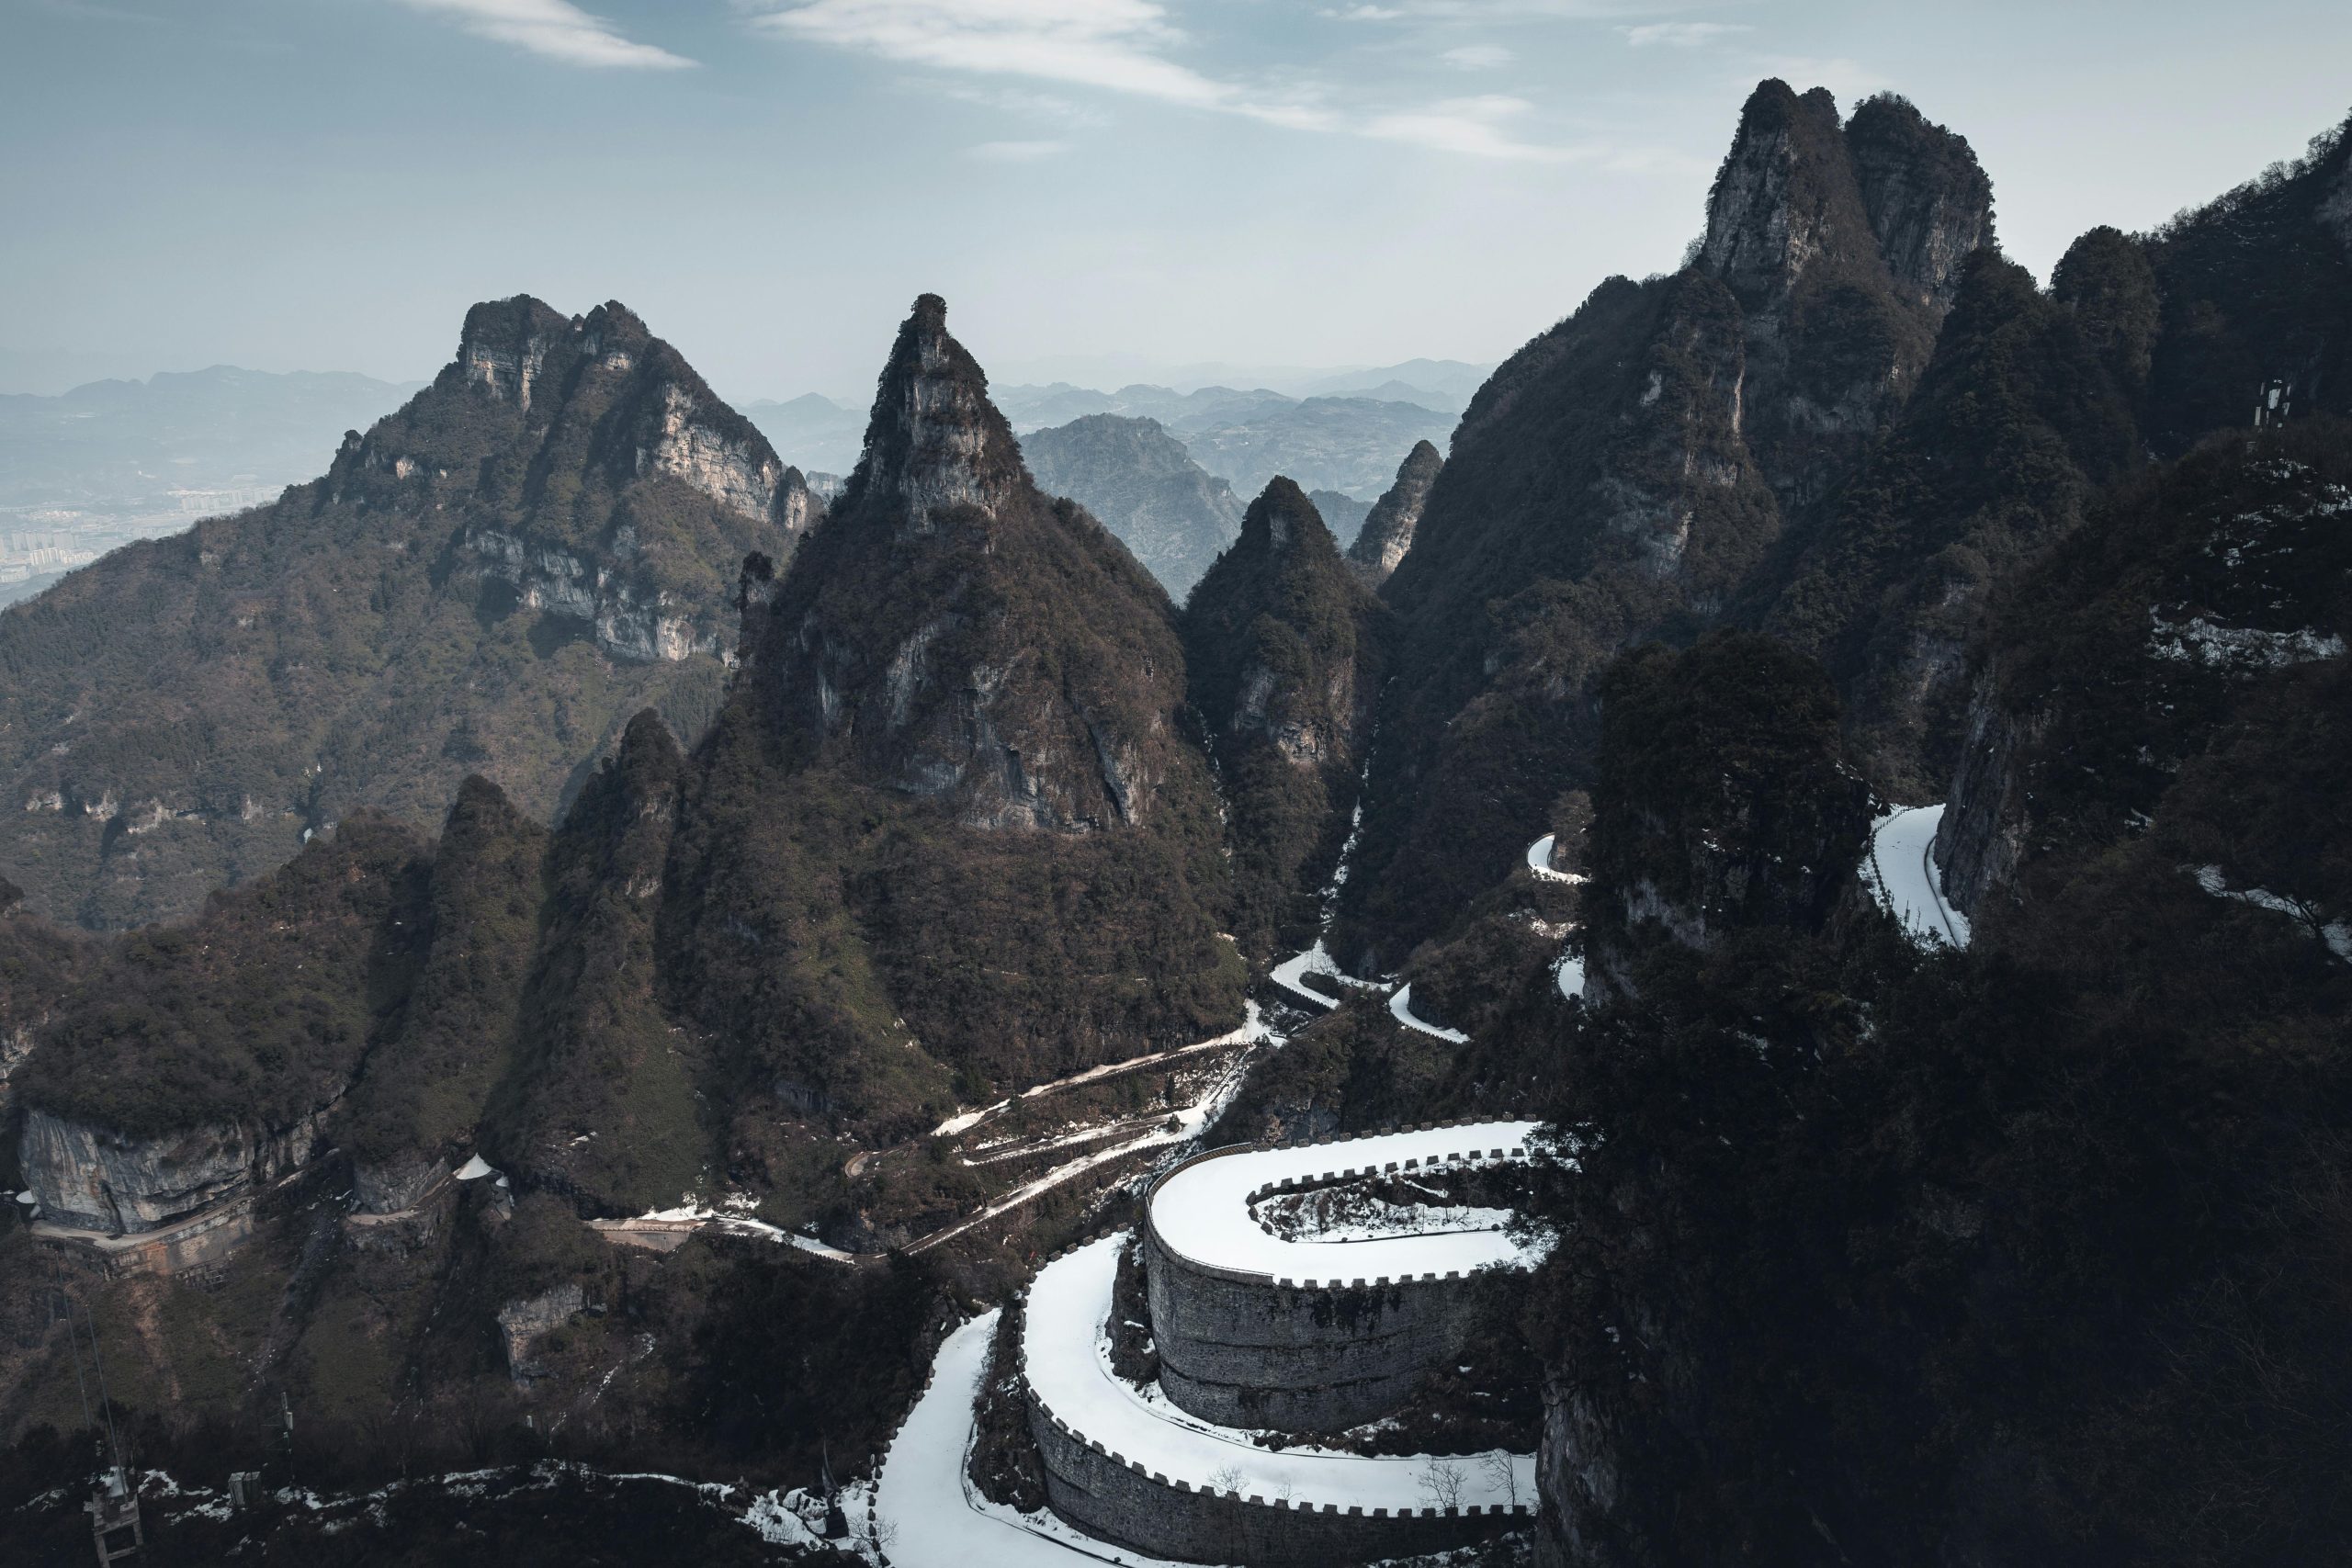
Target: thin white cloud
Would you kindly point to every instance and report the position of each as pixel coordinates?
(1049, 108)
(554, 30)
(1470, 126)
(1112, 44)
(1016, 151)
(1682, 35)
(1478, 57)
(1126, 46)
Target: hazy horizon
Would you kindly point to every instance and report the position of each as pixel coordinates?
(281, 185)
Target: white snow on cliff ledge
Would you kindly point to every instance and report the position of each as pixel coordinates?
(2199, 641)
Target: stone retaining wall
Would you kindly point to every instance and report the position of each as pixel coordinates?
(1247, 1349)
(1115, 1499)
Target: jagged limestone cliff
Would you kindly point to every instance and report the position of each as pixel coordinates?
(1631, 472)
(1387, 531)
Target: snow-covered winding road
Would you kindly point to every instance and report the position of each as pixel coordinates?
(1400, 1007)
(1201, 1211)
(1902, 875)
(928, 1514)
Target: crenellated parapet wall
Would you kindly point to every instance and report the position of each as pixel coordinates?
(1115, 1499)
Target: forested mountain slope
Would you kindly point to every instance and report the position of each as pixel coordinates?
(491, 580)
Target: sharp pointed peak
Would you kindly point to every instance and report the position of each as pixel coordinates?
(934, 441)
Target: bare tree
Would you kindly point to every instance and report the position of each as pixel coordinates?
(1503, 1474)
(1226, 1478)
(1441, 1483)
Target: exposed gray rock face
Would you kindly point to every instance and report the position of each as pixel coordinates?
(1982, 828)
(523, 1323)
(1145, 487)
(90, 1179)
(15, 1050)
(396, 1185)
(1843, 246)
(1930, 203)
(554, 580)
(935, 444)
(1387, 531)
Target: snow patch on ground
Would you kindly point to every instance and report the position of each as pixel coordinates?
(927, 1515)
(1351, 1214)
(1903, 877)
(2201, 641)
(2336, 934)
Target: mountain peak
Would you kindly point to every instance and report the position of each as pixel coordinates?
(1281, 517)
(935, 442)
(506, 342)
(1387, 531)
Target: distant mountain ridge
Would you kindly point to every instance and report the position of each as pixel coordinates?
(1142, 486)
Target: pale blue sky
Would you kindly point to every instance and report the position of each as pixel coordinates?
(327, 183)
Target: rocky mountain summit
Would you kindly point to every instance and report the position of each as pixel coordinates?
(1145, 487)
(490, 580)
(1387, 530)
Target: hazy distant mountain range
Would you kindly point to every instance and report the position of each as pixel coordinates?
(1340, 431)
(113, 461)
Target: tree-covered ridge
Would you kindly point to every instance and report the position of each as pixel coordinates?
(601, 1102)
(421, 1095)
(476, 585)
(2034, 1246)
(2257, 297)
(1282, 647)
(2017, 423)
(950, 830)
(261, 1011)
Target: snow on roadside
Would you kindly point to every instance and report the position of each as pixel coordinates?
(1902, 875)
(2336, 934)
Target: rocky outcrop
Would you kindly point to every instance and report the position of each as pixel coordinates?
(1723, 803)
(554, 580)
(1981, 832)
(396, 1185)
(1387, 530)
(88, 1178)
(1144, 486)
(1843, 244)
(1930, 203)
(523, 1323)
(1284, 646)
